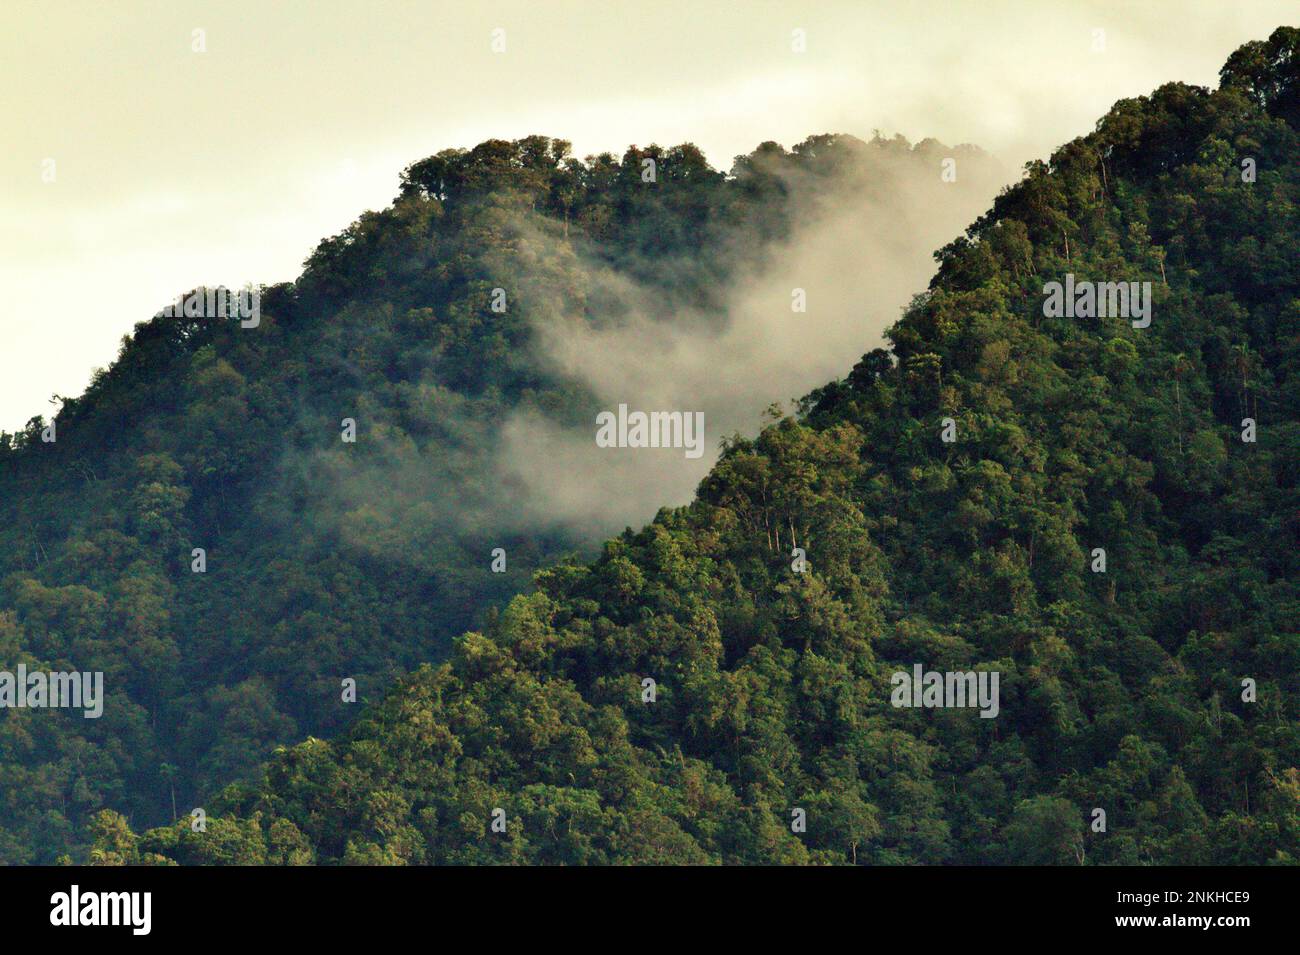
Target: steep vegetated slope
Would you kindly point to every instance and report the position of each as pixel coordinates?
(328, 560)
(1120, 690)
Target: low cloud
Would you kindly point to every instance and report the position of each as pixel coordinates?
(862, 247)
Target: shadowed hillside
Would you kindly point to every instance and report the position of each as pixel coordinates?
(1101, 512)
(470, 332)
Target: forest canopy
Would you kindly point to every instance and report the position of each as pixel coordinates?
(950, 495)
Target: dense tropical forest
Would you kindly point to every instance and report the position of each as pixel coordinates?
(323, 559)
(1104, 515)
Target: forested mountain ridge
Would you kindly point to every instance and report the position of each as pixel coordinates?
(325, 560)
(1123, 690)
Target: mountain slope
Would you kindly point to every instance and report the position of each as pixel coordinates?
(329, 560)
(1120, 690)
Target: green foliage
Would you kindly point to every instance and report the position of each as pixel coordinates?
(328, 560)
(1119, 690)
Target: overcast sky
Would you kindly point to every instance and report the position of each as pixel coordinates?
(174, 168)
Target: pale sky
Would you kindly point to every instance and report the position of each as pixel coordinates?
(174, 168)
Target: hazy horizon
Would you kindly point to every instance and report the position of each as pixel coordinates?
(175, 168)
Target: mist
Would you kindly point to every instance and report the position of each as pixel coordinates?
(860, 249)
(658, 336)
